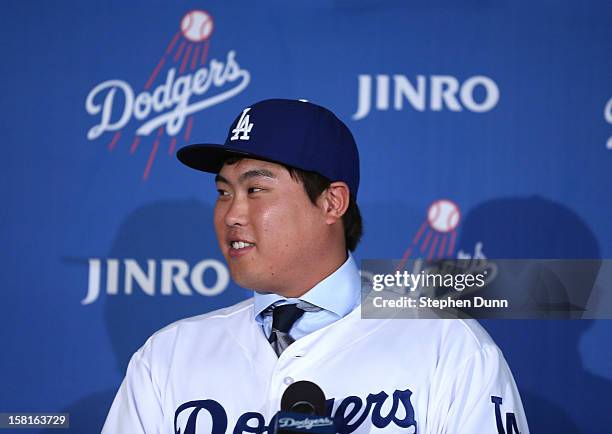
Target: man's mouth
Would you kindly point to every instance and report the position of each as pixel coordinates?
(240, 245)
(238, 248)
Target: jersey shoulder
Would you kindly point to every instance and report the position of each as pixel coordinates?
(199, 327)
(448, 339)
(472, 332)
(465, 340)
(234, 312)
(467, 333)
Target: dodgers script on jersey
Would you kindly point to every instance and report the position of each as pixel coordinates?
(217, 373)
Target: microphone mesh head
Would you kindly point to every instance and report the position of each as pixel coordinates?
(304, 397)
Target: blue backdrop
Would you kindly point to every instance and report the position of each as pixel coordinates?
(503, 108)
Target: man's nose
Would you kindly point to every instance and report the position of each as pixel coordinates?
(236, 214)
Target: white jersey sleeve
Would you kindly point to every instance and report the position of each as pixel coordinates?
(137, 406)
(479, 396)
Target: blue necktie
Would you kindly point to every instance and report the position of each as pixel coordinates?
(283, 318)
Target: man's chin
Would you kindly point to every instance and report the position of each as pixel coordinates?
(244, 278)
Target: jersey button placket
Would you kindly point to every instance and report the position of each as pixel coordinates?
(285, 367)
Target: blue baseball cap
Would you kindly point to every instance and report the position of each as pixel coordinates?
(295, 133)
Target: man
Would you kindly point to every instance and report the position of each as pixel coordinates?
(286, 220)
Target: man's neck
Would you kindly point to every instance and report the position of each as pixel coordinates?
(313, 274)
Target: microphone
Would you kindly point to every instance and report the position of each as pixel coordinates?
(303, 411)
(304, 397)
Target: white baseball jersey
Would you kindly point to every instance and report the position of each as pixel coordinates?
(217, 373)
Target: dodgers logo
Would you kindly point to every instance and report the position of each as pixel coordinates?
(243, 127)
(437, 234)
(183, 83)
(347, 417)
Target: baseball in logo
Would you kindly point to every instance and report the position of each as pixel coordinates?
(197, 26)
(183, 82)
(437, 235)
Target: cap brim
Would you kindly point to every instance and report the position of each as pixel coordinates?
(209, 157)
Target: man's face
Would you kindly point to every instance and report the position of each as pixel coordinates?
(266, 225)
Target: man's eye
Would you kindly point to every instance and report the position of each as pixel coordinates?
(254, 190)
(222, 193)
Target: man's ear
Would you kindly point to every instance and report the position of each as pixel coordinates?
(335, 201)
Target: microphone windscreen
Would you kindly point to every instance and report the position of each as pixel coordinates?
(304, 397)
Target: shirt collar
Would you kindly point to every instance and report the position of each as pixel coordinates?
(338, 293)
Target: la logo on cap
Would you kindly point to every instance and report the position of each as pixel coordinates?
(244, 126)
